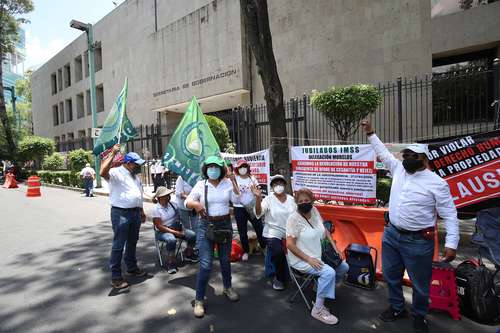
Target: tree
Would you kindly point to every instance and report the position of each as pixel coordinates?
(258, 33)
(9, 26)
(78, 158)
(219, 130)
(53, 162)
(345, 107)
(35, 147)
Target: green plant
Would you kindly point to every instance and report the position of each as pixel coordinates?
(78, 158)
(345, 107)
(63, 178)
(219, 130)
(35, 147)
(383, 190)
(53, 162)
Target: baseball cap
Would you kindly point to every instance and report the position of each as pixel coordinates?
(133, 157)
(214, 160)
(240, 163)
(418, 148)
(277, 177)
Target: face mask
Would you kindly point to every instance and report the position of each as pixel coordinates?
(213, 173)
(305, 207)
(243, 171)
(412, 165)
(278, 189)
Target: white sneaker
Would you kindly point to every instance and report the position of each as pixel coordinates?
(324, 316)
(199, 309)
(245, 257)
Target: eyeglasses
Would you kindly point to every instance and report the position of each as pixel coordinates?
(407, 156)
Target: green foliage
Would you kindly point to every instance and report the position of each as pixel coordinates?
(23, 87)
(63, 178)
(345, 107)
(383, 190)
(10, 22)
(35, 147)
(53, 162)
(219, 130)
(230, 148)
(78, 158)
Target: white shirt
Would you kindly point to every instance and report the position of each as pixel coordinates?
(276, 214)
(417, 198)
(218, 197)
(87, 172)
(246, 196)
(125, 190)
(159, 167)
(152, 167)
(181, 186)
(169, 215)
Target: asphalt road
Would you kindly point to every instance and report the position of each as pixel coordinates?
(54, 278)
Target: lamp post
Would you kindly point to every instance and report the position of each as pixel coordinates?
(87, 27)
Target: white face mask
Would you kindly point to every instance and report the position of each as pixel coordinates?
(243, 171)
(278, 189)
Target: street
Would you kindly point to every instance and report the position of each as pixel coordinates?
(54, 278)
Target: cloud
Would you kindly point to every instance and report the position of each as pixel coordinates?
(37, 53)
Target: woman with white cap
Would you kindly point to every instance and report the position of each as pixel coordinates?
(276, 208)
(166, 219)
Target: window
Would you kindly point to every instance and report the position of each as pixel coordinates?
(69, 110)
(80, 110)
(60, 79)
(100, 98)
(82, 139)
(53, 80)
(98, 57)
(86, 63)
(67, 75)
(78, 69)
(55, 115)
(61, 113)
(87, 102)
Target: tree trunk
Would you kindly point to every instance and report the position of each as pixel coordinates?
(11, 145)
(256, 24)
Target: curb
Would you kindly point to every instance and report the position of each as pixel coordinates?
(77, 189)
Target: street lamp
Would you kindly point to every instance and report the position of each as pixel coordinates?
(87, 27)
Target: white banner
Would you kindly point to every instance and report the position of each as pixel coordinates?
(340, 173)
(259, 166)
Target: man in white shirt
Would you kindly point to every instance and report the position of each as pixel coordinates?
(88, 176)
(127, 213)
(417, 196)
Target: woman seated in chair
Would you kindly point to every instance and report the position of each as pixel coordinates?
(168, 227)
(304, 233)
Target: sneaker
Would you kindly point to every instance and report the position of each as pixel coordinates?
(193, 258)
(391, 315)
(137, 272)
(119, 284)
(172, 269)
(278, 285)
(420, 325)
(231, 294)
(199, 309)
(324, 316)
(244, 257)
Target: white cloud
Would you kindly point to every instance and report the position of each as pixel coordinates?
(37, 53)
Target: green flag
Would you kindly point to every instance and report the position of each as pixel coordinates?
(190, 145)
(117, 125)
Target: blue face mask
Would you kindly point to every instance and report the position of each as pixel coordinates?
(213, 173)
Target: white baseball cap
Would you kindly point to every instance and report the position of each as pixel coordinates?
(418, 148)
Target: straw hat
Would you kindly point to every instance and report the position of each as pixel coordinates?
(162, 191)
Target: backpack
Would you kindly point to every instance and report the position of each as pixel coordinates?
(361, 266)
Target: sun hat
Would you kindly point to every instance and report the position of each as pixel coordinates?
(240, 163)
(277, 177)
(162, 191)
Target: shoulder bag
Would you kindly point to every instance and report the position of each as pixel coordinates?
(216, 232)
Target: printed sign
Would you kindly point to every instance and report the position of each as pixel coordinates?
(340, 173)
(258, 163)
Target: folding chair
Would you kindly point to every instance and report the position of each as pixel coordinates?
(160, 245)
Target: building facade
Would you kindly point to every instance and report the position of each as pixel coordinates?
(172, 50)
(13, 65)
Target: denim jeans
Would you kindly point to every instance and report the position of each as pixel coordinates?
(242, 217)
(413, 253)
(190, 221)
(171, 241)
(126, 225)
(206, 258)
(88, 184)
(278, 258)
(327, 278)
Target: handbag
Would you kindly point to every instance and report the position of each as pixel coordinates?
(329, 255)
(216, 232)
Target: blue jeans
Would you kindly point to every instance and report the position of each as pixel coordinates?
(327, 276)
(278, 258)
(206, 258)
(88, 184)
(242, 217)
(190, 221)
(126, 225)
(413, 253)
(171, 241)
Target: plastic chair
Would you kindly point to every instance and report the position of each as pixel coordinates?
(160, 245)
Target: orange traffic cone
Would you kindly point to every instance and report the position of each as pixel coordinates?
(10, 181)
(34, 187)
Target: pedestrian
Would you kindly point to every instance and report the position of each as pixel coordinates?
(127, 213)
(275, 208)
(160, 174)
(304, 234)
(211, 199)
(244, 207)
(88, 176)
(417, 196)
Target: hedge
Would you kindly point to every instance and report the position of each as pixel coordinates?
(64, 178)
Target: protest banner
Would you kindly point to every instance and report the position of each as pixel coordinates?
(341, 173)
(471, 166)
(259, 166)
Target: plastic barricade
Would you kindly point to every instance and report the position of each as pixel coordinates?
(34, 187)
(10, 181)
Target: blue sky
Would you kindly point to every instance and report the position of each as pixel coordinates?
(49, 30)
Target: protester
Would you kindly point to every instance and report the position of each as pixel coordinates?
(152, 172)
(304, 233)
(275, 208)
(417, 196)
(211, 198)
(244, 207)
(166, 219)
(127, 213)
(188, 216)
(88, 176)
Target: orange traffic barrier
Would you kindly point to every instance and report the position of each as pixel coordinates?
(362, 225)
(33, 187)
(10, 181)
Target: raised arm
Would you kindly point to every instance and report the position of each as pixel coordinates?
(106, 165)
(382, 152)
